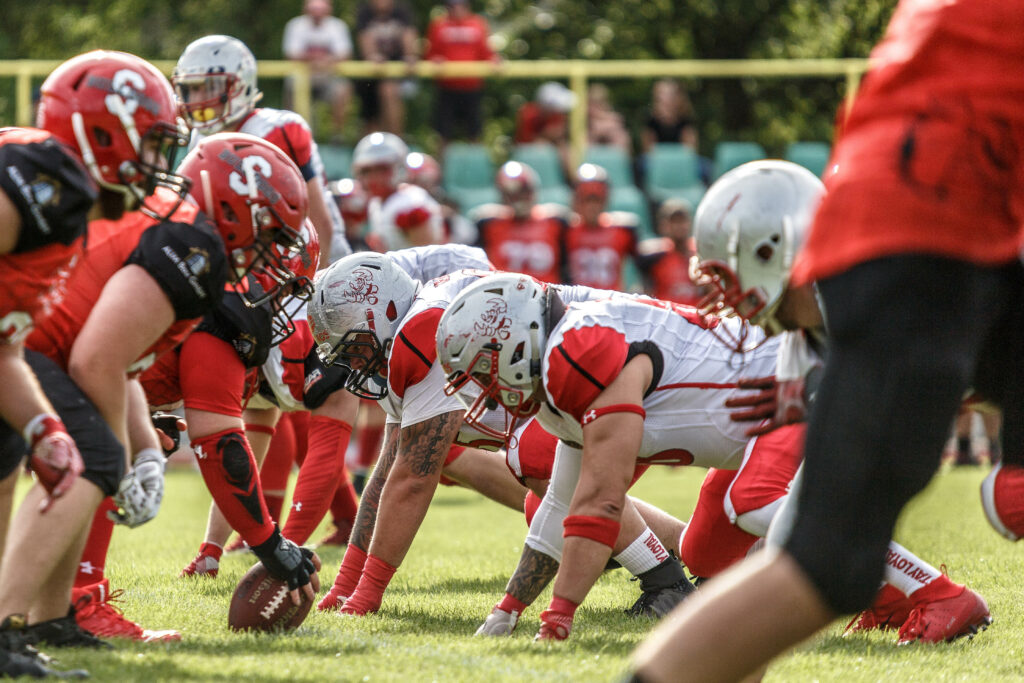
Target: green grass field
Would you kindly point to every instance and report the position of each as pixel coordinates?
(457, 570)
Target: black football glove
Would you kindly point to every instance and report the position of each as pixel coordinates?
(167, 424)
(289, 562)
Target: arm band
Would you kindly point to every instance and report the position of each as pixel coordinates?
(594, 413)
(599, 529)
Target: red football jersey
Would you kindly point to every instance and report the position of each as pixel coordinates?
(668, 272)
(596, 253)
(533, 246)
(183, 254)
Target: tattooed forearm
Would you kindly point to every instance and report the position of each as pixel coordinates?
(366, 516)
(425, 445)
(533, 574)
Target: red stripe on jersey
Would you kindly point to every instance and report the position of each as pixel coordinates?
(582, 365)
(413, 351)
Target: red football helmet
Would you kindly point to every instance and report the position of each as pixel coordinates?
(517, 184)
(291, 288)
(423, 170)
(352, 201)
(118, 112)
(256, 197)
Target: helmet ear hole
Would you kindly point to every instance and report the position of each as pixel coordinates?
(517, 353)
(102, 137)
(228, 213)
(392, 311)
(765, 252)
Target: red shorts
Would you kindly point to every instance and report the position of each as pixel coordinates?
(161, 381)
(212, 375)
(453, 453)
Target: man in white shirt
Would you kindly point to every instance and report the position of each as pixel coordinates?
(321, 40)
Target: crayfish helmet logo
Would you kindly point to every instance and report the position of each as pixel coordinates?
(494, 322)
(361, 289)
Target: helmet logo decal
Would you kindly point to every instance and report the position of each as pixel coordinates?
(493, 321)
(253, 164)
(361, 288)
(127, 86)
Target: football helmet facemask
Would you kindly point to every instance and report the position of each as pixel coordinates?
(378, 162)
(215, 83)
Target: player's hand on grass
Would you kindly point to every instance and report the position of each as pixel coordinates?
(498, 623)
(294, 564)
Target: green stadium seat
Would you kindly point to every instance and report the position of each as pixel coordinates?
(554, 194)
(630, 198)
(811, 155)
(469, 198)
(467, 166)
(729, 155)
(614, 160)
(544, 160)
(673, 170)
(337, 161)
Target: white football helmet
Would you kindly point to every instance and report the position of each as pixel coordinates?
(748, 229)
(215, 81)
(489, 342)
(380, 150)
(357, 305)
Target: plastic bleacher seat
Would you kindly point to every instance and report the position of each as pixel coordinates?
(615, 161)
(729, 155)
(468, 175)
(554, 194)
(811, 155)
(630, 198)
(673, 170)
(543, 159)
(337, 161)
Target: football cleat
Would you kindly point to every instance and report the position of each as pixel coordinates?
(657, 603)
(96, 614)
(889, 611)
(236, 546)
(206, 563)
(1002, 497)
(63, 632)
(946, 620)
(18, 664)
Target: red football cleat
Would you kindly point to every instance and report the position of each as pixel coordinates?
(946, 620)
(1002, 497)
(96, 615)
(339, 536)
(889, 611)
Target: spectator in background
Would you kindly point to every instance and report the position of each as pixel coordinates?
(605, 126)
(672, 120)
(385, 33)
(545, 119)
(322, 41)
(458, 35)
(598, 242)
(664, 261)
(519, 235)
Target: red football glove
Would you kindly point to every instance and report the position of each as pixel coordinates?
(54, 457)
(775, 404)
(369, 594)
(556, 620)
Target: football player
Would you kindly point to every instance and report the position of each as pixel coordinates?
(400, 214)
(621, 382)
(598, 242)
(104, 120)
(215, 83)
(520, 235)
(665, 261)
(915, 252)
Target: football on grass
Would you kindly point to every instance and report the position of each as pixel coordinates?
(261, 603)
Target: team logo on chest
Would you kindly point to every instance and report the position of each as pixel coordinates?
(360, 288)
(494, 322)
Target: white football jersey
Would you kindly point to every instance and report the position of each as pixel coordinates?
(434, 260)
(384, 216)
(694, 373)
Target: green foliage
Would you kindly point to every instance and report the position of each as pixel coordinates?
(457, 569)
(770, 111)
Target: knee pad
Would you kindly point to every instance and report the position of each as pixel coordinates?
(229, 470)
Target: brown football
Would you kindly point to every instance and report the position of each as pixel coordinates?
(261, 603)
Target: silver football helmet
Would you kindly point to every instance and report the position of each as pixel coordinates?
(380, 150)
(357, 305)
(748, 229)
(490, 341)
(215, 82)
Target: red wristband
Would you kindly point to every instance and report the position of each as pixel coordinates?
(369, 592)
(599, 529)
(512, 604)
(595, 413)
(563, 606)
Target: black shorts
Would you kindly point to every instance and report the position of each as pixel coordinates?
(457, 109)
(906, 335)
(101, 451)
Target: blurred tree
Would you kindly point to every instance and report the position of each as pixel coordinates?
(772, 112)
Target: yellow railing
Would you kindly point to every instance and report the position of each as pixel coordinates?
(576, 71)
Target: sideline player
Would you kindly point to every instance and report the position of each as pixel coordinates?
(598, 242)
(924, 203)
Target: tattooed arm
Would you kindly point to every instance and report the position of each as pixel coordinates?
(534, 573)
(366, 516)
(421, 452)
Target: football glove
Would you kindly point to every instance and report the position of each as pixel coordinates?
(291, 563)
(53, 456)
(498, 623)
(141, 491)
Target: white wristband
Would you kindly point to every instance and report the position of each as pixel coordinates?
(153, 454)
